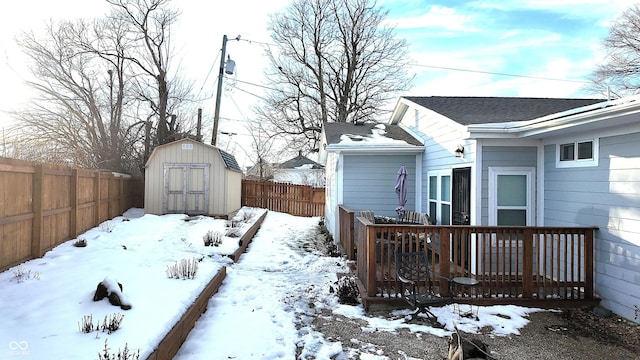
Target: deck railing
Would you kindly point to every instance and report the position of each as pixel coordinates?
(346, 218)
(513, 264)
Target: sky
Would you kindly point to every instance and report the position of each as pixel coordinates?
(272, 292)
(456, 48)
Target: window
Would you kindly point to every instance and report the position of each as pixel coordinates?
(577, 154)
(440, 197)
(511, 196)
(511, 199)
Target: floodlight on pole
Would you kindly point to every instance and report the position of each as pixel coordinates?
(229, 69)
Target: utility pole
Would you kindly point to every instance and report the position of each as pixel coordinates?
(199, 126)
(216, 116)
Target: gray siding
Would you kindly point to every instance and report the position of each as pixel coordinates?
(502, 156)
(369, 182)
(607, 196)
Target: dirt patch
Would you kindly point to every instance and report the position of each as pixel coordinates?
(612, 330)
(568, 334)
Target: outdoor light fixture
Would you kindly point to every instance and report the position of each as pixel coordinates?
(459, 152)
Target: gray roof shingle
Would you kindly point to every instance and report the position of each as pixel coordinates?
(482, 110)
(229, 160)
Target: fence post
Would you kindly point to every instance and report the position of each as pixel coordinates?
(121, 197)
(37, 196)
(73, 218)
(96, 197)
(109, 199)
(527, 263)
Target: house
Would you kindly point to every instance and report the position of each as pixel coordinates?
(536, 162)
(361, 164)
(187, 176)
(300, 170)
(261, 171)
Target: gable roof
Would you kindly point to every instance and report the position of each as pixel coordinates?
(334, 133)
(482, 110)
(299, 161)
(622, 113)
(229, 160)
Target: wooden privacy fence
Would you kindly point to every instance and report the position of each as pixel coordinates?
(298, 200)
(44, 205)
(545, 266)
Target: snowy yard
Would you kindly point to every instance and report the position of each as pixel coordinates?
(262, 311)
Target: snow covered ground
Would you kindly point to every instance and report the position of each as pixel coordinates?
(262, 311)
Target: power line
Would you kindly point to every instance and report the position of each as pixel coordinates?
(210, 69)
(250, 93)
(257, 85)
(500, 74)
(258, 42)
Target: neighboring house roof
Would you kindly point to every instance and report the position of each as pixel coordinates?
(300, 162)
(481, 110)
(368, 133)
(253, 172)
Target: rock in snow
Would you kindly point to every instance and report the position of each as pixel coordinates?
(112, 289)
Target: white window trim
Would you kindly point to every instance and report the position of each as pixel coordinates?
(530, 173)
(438, 200)
(581, 162)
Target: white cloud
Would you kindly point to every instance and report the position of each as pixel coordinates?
(437, 17)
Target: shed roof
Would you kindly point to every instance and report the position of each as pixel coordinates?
(334, 133)
(482, 110)
(229, 161)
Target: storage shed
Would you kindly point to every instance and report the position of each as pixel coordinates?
(186, 176)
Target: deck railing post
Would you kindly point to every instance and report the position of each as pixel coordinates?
(349, 242)
(445, 258)
(588, 263)
(371, 261)
(527, 263)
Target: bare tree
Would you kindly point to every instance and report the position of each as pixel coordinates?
(265, 151)
(80, 98)
(336, 61)
(620, 73)
(149, 24)
(103, 83)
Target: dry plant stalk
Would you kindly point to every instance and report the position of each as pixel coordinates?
(184, 269)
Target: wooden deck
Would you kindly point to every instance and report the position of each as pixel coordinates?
(533, 266)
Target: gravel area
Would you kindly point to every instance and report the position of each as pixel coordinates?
(567, 334)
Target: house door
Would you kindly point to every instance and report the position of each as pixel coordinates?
(186, 189)
(461, 197)
(460, 212)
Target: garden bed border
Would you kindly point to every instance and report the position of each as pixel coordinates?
(173, 340)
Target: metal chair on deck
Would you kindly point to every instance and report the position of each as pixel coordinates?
(416, 285)
(368, 214)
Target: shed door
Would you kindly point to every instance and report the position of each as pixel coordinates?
(186, 188)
